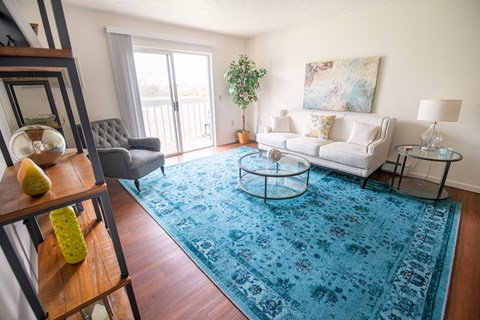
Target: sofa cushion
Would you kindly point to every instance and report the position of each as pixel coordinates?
(363, 133)
(280, 124)
(306, 145)
(347, 153)
(318, 126)
(276, 139)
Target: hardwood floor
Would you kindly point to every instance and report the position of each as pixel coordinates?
(168, 285)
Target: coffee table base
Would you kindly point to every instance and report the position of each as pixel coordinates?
(272, 187)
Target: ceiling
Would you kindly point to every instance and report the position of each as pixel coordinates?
(244, 18)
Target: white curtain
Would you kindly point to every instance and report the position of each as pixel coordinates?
(123, 64)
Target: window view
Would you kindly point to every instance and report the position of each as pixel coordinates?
(175, 94)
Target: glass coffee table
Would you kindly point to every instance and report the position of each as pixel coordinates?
(263, 178)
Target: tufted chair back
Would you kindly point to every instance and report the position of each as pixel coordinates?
(124, 157)
(110, 133)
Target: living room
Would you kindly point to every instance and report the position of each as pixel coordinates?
(428, 50)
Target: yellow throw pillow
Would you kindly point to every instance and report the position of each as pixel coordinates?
(319, 126)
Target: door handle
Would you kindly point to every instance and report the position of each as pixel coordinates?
(175, 106)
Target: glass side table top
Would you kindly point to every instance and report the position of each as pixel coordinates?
(436, 155)
(421, 188)
(263, 178)
(258, 163)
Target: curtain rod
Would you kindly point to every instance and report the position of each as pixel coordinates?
(159, 36)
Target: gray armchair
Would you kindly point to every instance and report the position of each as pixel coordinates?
(125, 157)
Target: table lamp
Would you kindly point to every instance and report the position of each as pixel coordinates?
(436, 111)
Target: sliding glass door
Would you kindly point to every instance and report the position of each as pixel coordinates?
(176, 98)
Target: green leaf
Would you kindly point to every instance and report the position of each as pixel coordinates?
(244, 80)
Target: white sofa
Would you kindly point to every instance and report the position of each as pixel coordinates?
(347, 149)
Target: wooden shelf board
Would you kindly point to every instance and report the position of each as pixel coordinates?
(72, 179)
(29, 69)
(65, 289)
(35, 52)
(120, 305)
(26, 79)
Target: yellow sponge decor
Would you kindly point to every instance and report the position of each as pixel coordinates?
(26, 162)
(32, 178)
(69, 235)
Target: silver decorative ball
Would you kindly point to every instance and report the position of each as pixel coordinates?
(44, 145)
(274, 155)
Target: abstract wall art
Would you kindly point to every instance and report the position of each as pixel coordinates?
(343, 85)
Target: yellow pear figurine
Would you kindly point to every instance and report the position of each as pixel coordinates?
(35, 182)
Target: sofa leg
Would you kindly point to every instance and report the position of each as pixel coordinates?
(364, 183)
(137, 184)
(163, 170)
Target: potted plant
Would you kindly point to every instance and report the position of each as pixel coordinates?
(244, 79)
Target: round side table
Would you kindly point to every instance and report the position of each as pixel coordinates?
(421, 188)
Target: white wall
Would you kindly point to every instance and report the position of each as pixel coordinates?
(429, 50)
(87, 33)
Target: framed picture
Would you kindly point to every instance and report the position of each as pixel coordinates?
(343, 85)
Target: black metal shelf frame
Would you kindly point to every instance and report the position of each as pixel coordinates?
(19, 67)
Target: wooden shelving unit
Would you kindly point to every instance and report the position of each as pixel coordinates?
(35, 52)
(72, 181)
(81, 284)
(64, 289)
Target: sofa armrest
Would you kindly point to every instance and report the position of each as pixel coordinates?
(150, 143)
(381, 146)
(378, 146)
(115, 161)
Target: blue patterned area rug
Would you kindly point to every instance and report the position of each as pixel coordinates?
(336, 252)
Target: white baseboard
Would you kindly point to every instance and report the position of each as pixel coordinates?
(448, 183)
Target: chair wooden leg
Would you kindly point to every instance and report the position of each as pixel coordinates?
(137, 184)
(163, 170)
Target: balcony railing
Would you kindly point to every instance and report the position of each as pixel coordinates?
(195, 122)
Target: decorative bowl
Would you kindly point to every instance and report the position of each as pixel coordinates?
(44, 119)
(44, 145)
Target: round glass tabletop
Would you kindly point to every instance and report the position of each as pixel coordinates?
(439, 154)
(259, 164)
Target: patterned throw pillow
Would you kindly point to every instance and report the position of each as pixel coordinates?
(319, 126)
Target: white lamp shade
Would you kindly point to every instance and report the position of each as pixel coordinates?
(439, 110)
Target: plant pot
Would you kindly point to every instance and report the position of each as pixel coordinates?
(243, 136)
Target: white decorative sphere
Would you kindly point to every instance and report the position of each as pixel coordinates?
(274, 155)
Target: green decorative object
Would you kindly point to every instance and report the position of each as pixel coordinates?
(69, 235)
(244, 80)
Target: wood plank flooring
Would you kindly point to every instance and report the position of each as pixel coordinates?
(168, 285)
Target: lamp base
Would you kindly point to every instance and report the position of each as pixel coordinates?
(427, 148)
(431, 138)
